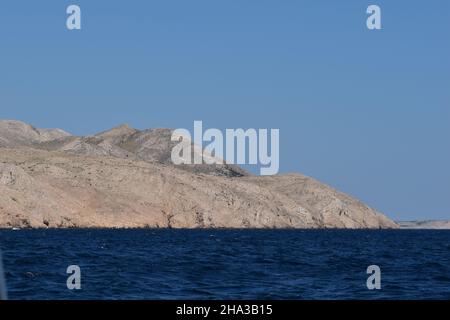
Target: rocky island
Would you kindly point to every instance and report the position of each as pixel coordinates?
(123, 178)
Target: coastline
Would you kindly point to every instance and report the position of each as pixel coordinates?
(424, 225)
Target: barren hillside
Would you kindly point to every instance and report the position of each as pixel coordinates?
(123, 178)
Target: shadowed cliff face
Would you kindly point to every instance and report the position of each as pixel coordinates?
(124, 178)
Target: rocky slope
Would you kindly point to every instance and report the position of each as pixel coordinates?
(17, 134)
(123, 178)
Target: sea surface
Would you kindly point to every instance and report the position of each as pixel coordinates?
(226, 264)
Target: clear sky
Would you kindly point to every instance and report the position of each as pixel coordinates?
(367, 112)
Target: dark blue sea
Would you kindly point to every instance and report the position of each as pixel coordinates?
(226, 264)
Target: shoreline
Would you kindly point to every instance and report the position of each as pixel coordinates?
(217, 229)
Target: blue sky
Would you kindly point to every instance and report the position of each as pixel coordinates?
(367, 112)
